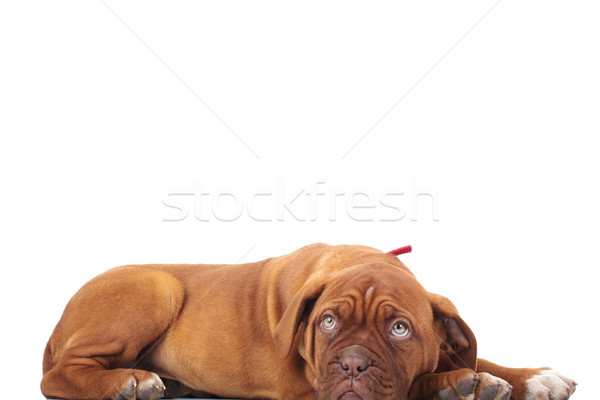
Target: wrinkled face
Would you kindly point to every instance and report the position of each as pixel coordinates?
(370, 335)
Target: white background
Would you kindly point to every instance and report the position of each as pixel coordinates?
(105, 110)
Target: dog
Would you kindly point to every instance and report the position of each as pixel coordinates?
(325, 322)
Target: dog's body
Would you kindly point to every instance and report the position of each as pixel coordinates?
(324, 322)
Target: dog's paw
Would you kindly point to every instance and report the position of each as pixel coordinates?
(549, 385)
(464, 389)
(128, 392)
(151, 388)
(142, 386)
(491, 387)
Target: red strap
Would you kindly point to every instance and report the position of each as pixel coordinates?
(401, 250)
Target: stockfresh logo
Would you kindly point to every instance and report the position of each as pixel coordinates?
(317, 201)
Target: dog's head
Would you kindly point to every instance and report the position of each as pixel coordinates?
(367, 331)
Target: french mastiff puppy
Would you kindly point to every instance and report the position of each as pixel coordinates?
(324, 322)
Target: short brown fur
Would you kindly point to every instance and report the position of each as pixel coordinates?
(252, 330)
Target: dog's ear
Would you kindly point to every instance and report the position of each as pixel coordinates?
(458, 341)
(293, 315)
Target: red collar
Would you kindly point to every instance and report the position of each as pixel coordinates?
(401, 250)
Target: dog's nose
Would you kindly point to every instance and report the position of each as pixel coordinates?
(353, 363)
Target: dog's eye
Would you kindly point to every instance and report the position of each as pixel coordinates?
(399, 329)
(328, 322)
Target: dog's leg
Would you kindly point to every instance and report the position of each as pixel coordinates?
(450, 385)
(531, 383)
(106, 327)
(492, 382)
(69, 381)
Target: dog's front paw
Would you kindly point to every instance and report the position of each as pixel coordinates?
(142, 385)
(491, 387)
(477, 386)
(463, 389)
(462, 384)
(549, 385)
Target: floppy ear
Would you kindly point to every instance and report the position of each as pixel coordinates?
(458, 340)
(292, 317)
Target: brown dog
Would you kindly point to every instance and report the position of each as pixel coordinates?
(324, 322)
